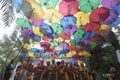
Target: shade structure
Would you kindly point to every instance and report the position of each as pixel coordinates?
(99, 15)
(68, 7)
(88, 5)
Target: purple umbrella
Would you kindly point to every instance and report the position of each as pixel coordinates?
(109, 3)
(63, 45)
(27, 32)
(111, 18)
(36, 22)
(70, 31)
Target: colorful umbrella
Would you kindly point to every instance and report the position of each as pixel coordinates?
(117, 8)
(91, 27)
(81, 18)
(49, 3)
(116, 22)
(113, 15)
(88, 5)
(68, 22)
(22, 22)
(37, 12)
(36, 23)
(26, 8)
(57, 28)
(68, 7)
(26, 32)
(52, 15)
(79, 34)
(36, 38)
(37, 32)
(53, 44)
(99, 15)
(110, 3)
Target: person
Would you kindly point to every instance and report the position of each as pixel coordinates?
(8, 70)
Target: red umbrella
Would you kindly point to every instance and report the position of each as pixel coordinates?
(99, 15)
(65, 36)
(68, 7)
(92, 27)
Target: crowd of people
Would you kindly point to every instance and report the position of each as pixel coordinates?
(53, 70)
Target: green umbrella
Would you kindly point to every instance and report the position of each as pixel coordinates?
(79, 34)
(92, 44)
(53, 44)
(62, 55)
(49, 3)
(26, 8)
(88, 5)
(57, 28)
(22, 22)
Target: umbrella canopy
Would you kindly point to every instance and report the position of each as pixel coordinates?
(57, 28)
(36, 23)
(52, 15)
(88, 5)
(117, 8)
(27, 32)
(92, 27)
(109, 3)
(113, 15)
(68, 22)
(81, 18)
(22, 22)
(68, 7)
(116, 22)
(99, 15)
(79, 34)
(37, 11)
(53, 44)
(48, 3)
(26, 8)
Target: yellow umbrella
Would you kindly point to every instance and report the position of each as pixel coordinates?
(57, 48)
(82, 18)
(84, 53)
(37, 12)
(27, 46)
(31, 55)
(104, 27)
(59, 39)
(70, 54)
(36, 31)
(52, 15)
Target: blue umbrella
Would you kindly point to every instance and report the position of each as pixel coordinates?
(17, 4)
(36, 38)
(68, 22)
(24, 55)
(89, 35)
(47, 30)
(35, 50)
(116, 22)
(117, 9)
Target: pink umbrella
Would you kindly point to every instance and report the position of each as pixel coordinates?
(109, 3)
(70, 31)
(36, 22)
(68, 7)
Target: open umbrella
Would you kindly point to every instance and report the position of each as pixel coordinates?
(37, 11)
(63, 45)
(36, 23)
(37, 32)
(82, 18)
(26, 8)
(52, 15)
(113, 15)
(109, 3)
(57, 28)
(92, 27)
(99, 15)
(68, 22)
(53, 44)
(89, 5)
(117, 8)
(26, 32)
(116, 22)
(79, 34)
(22, 22)
(48, 3)
(68, 7)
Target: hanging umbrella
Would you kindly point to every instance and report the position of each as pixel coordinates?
(37, 32)
(57, 28)
(65, 36)
(46, 39)
(36, 23)
(88, 5)
(63, 45)
(46, 30)
(53, 44)
(17, 5)
(68, 7)
(99, 15)
(68, 22)
(82, 18)
(85, 41)
(70, 31)
(22, 22)
(89, 35)
(109, 3)
(104, 27)
(36, 38)
(79, 34)
(92, 27)
(48, 3)
(116, 22)
(26, 32)
(52, 15)
(62, 56)
(117, 8)
(26, 8)
(113, 15)
(37, 11)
